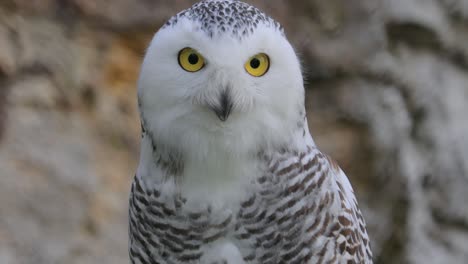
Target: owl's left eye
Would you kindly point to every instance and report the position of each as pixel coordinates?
(190, 60)
(258, 65)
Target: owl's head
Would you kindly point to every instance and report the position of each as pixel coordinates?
(221, 75)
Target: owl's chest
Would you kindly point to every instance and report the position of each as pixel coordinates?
(265, 225)
(219, 180)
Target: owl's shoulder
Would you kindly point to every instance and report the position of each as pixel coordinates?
(334, 227)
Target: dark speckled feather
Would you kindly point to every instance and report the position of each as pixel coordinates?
(219, 17)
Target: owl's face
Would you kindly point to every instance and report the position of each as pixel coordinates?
(233, 81)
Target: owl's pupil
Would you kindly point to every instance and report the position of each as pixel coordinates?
(193, 58)
(255, 63)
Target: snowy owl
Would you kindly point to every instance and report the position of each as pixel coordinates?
(228, 170)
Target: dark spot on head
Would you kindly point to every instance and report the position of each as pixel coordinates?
(213, 15)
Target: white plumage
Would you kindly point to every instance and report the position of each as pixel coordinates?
(228, 171)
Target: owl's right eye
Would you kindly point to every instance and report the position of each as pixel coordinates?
(190, 60)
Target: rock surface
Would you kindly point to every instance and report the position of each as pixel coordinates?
(387, 96)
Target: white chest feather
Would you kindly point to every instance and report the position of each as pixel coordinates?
(219, 180)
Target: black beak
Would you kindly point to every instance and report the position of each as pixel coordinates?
(223, 109)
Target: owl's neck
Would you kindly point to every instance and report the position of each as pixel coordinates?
(216, 177)
(218, 171)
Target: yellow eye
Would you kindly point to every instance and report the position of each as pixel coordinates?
(257, 65)
(190, 60)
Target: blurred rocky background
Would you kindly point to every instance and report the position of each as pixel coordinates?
(387, 96)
